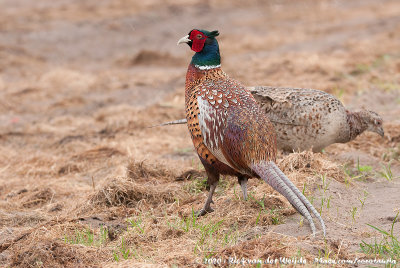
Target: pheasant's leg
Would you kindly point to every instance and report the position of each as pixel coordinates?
(243, 184)
(212, 180)
(207, 208)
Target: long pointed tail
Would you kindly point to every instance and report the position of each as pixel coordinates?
(272, 175)
(175, 122)
(300, 195)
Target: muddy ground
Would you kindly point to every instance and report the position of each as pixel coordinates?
(85, 183)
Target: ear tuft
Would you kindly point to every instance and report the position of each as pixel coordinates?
(214, 33)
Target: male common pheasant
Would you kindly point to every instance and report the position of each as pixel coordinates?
(230, 133)
(310, 119)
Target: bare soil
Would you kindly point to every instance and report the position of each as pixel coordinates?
(82, 81)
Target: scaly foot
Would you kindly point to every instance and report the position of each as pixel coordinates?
(204, 212)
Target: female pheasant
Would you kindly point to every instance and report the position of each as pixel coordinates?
(310, 119)
(229, 131)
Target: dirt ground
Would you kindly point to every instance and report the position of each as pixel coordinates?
(85, 183)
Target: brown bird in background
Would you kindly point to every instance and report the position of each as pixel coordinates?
(230, 132)
(310, 119)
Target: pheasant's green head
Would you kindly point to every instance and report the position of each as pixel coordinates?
(206, 47)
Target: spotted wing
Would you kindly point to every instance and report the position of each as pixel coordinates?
(219, 101)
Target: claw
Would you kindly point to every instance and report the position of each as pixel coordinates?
(204, 212)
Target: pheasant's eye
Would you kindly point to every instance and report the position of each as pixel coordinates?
(199, 36)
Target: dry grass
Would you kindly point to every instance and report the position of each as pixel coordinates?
(152, 210)
(45, 248)
(140, 170)
(84, 181)
(308, 163)
(123, 192)
(38, 198)
(53, 253)
(270, 245)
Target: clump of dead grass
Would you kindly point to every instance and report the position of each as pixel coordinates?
(18, 218)
(43, 246)
(38, 198)
(139, 170)
(311, 163)
(54, 253)
(270, 245)
(122, 191)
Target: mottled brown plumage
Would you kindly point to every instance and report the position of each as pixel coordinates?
(225, 101)
(230, 133)
(311, 119)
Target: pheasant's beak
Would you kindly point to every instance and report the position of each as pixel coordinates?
(381, 132)
(184, 39)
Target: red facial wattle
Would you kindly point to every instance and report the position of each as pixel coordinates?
(198, 39)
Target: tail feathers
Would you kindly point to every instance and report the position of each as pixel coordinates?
(272, 175)
(175, 122)
(300, 195)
